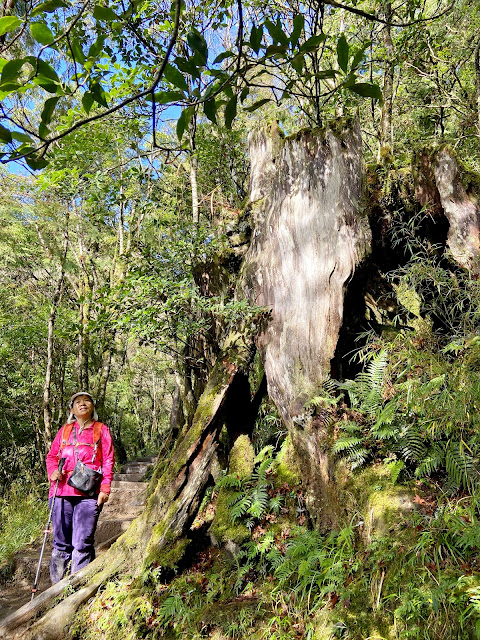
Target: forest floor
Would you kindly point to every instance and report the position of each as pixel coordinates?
(126, 503)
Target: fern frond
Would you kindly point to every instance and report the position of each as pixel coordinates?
(240, 508)
(345, 444)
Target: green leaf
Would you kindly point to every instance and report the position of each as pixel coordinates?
(327, 73)
(276, 51)
(184, 121)
(256, 36)
(210, 110)
(230, 112)
(43, 68)
(36, 164)
(8, 24)
(298, 62)
(5, 135)
(342, 53)
(21, 137)
(244, 94)
(197, 42)
(188, 66)
(359, 56)
(276, 32)
(104, 14)
(97, 46)
(176, 78)
(165, 97)
(257, 105)
(298, 24)
(223, 56)
(43, 130)
(48, 7)
(48, 109)
(41, 33)
(45, 83)
(313, 43)
(76, 51)
(87, 101)
(367, 90)
(99, 94)
(12, 70)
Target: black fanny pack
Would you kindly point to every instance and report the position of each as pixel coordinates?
(85, 479)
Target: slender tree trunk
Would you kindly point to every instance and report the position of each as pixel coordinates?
(477, 87)
(47, 405)
(386, 129)
(82, 356)
(194, 170)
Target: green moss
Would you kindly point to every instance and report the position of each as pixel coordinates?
(222, 528)
(381, 503)
(242, 457)
(288, 470)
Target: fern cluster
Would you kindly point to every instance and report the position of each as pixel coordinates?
(251, 498)
(423, 411)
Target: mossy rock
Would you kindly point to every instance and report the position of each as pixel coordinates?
(382, 503)
(223, 531)
(288, 469)
(242, 457)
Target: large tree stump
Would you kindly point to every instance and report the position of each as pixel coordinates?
(310, 233)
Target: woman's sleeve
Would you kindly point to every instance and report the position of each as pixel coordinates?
(52, 455)
(108, 460)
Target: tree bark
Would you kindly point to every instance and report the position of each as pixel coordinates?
(439, 183)
(47, 408)
(309, 235)
(477, 87)
(386, 130)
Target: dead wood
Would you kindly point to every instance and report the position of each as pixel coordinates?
(309, 235)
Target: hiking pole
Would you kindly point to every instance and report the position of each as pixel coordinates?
(46, 531)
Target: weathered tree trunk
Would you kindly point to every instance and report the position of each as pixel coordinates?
(386, 132)
(439, 182)
(306, 195)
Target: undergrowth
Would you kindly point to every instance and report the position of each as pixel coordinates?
(22, 519)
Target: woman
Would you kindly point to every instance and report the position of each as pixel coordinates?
(75, 513)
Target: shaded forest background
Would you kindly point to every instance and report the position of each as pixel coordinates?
(125, 225)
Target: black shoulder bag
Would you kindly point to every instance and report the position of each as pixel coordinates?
(83, 478)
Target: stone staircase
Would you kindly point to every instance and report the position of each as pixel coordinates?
(126, 502)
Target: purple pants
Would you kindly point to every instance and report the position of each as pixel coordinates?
(74, 522)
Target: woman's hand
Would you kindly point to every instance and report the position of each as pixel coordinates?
(56, 475)
(102, 498)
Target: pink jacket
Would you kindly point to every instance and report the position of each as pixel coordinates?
(104, 459)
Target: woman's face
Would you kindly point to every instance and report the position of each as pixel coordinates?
(83, 407)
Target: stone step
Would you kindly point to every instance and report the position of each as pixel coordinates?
(151, 459)
(125, 484)
(133, 467)
(108, 529)
(129, 477)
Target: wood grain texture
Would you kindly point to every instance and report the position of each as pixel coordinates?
(306, 194)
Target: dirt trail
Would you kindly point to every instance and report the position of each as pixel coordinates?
(126, 502)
